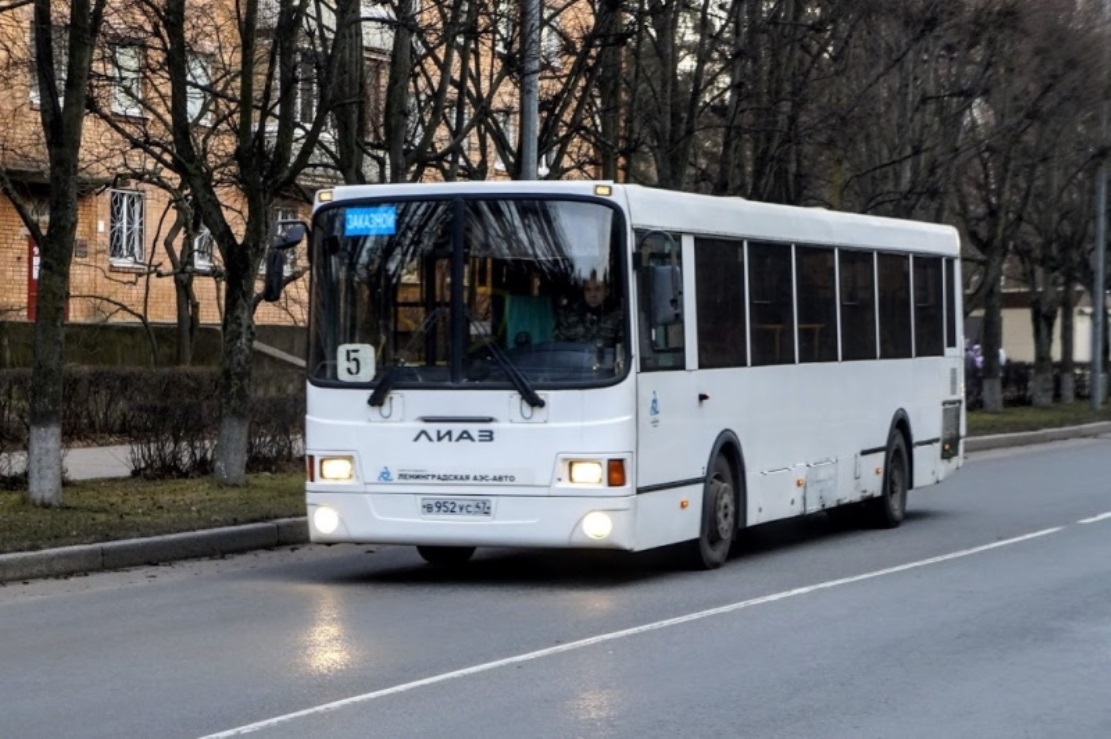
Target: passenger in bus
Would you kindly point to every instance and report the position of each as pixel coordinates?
(589, 320)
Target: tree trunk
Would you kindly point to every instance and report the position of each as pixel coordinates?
(188, 319)
(235, 380)
(1043, 313)
(992, 340)
(1068, 335)
(609, 85)
(397, 93)
(44, 450)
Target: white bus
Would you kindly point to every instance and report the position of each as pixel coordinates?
(598, 365)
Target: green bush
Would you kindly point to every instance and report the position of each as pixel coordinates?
(169, 416)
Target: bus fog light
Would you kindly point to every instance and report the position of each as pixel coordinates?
(337, 469)
(325, 520)
(586, 473)
(597, 525)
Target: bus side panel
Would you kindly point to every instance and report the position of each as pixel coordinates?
(814, 435)
(661, 518)
(670, 424)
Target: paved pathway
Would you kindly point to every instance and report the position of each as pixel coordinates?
(84, 463)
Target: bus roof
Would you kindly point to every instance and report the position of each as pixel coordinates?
(711, 215)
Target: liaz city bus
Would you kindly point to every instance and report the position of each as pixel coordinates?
(598, 365)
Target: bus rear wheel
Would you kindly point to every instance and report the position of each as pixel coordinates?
(446, 556)
(719, 518)
(889, 509)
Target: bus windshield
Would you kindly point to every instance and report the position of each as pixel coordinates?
(474, 292)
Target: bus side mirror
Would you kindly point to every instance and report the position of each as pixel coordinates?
(290, 234)
(666, 283)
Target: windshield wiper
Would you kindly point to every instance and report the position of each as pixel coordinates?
(524, 387)
(382, 389)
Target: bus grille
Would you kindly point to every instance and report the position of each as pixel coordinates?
(950, 429)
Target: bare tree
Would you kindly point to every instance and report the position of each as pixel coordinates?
(238, 106)
(63, 39)
(1059, 216)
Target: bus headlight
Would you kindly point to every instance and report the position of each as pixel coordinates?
(585, 473)
(597, 525)
(325, 520)
(337, 469)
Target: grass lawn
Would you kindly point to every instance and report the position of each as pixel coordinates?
(1024, 418)
(105, 510)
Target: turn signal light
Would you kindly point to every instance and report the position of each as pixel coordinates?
(615, 473)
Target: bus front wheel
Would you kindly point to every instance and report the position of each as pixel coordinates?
(889, 509)
(719, 518)
(446, 556)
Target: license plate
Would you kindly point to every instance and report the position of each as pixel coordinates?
(473, 507)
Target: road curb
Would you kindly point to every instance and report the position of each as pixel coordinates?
(1043, 436)
(152, 550)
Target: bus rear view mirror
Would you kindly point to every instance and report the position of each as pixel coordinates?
(666, 283)
(274, 278)
(289, 235)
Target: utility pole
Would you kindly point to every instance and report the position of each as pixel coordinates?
(530, 88)
(1099, 302)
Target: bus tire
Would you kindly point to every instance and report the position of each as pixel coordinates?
(719, 518)
(446, 556)
(889, 509)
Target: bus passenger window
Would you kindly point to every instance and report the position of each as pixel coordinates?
(929, 329)
(858, 304)
(895, 326)
(719, 273)
(817, 302)
(771, 297)
(950, 304)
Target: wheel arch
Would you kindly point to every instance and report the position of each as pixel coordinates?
(728, 445)
(900, 424)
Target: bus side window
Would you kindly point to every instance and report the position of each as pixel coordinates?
(771, 299)
(660, 288)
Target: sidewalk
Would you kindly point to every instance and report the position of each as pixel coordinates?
(113, 461)
(84, 463)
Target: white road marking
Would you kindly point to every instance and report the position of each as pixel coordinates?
(1093, 519)
(614, 635)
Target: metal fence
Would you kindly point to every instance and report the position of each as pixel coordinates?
(1017, 380)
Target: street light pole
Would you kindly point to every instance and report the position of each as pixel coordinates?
(530, 88)
(1099, 302)
(1100, 267)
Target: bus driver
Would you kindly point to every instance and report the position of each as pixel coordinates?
(588, 320)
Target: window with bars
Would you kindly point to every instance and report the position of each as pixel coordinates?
(198, 76)
(278, 214)
(126, 231)
(377, 74)
(307, 92)
(204, 250)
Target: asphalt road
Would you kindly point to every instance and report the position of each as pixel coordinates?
(988, 614)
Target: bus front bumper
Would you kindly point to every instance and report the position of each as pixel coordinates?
(511, 521)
